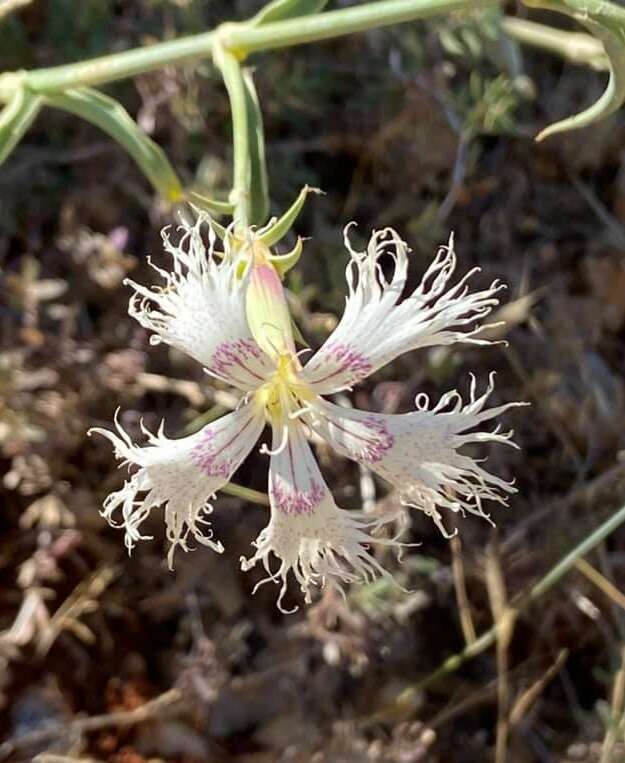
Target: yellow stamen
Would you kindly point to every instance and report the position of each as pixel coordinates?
(283, 393)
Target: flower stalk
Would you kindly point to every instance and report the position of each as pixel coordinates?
(232, 74)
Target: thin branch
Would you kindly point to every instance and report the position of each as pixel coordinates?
(505, 616)
(240, 39)
(464, 607)
(602, 583)
(518, 605)
(523, 704)
(615, 728)
(121, 719)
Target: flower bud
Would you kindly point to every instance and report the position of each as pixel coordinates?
(266, 307)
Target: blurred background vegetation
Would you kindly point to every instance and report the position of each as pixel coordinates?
(427, 127)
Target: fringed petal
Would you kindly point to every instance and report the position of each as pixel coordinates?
(375, 329)
(182, 475)
(418, 452)
(201, 308)
(310, 536)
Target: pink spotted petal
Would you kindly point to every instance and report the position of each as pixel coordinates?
(420, 452)
(181, 475)
(308, 534)
(201, 309)
(377, 325)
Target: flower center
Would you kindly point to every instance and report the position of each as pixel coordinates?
(284, 393)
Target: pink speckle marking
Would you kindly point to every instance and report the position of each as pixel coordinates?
(349, 360)
(376, 448)
(368, 441)
(291, 501)
(235, 353)
(211, 460)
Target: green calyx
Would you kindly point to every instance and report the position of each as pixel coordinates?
(267, 236)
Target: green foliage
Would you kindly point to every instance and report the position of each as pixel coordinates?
(489, 96)
(259, 186)
(15, 119)
(478, 38)
(213, 206)
(278, 10)
(111, 117)
(468, 37)
(283, 225)
(607, 22)
(381, 597)
(492, 104)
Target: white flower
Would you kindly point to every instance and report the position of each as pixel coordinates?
(228, 311)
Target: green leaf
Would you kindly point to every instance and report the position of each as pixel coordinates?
(259, 187)
(284, 262)
(211, 205)
(278, 228)
(278, 10)
(606, 21)
(111, 117)
(15, 119)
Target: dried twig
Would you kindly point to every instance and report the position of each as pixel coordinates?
(604, 585)
(617, 714)
(524, 702)
(504, 616)
(600, 488)
(464, 608)
(521, 602)
(82, 601)
(121, 719)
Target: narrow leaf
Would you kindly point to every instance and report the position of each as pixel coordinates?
(278, 10)
(111, 117)
(15, 119)
(212, 205)
(606, 21)
(284, 262)
(259, 187)
(280, 227)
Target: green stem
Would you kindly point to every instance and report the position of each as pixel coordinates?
(582, 9)
(325, 26)
(246, 493)
(242, 172)
(568, 562)
(577, 47)
(116, 66)
(241, 38)
(548, 581)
